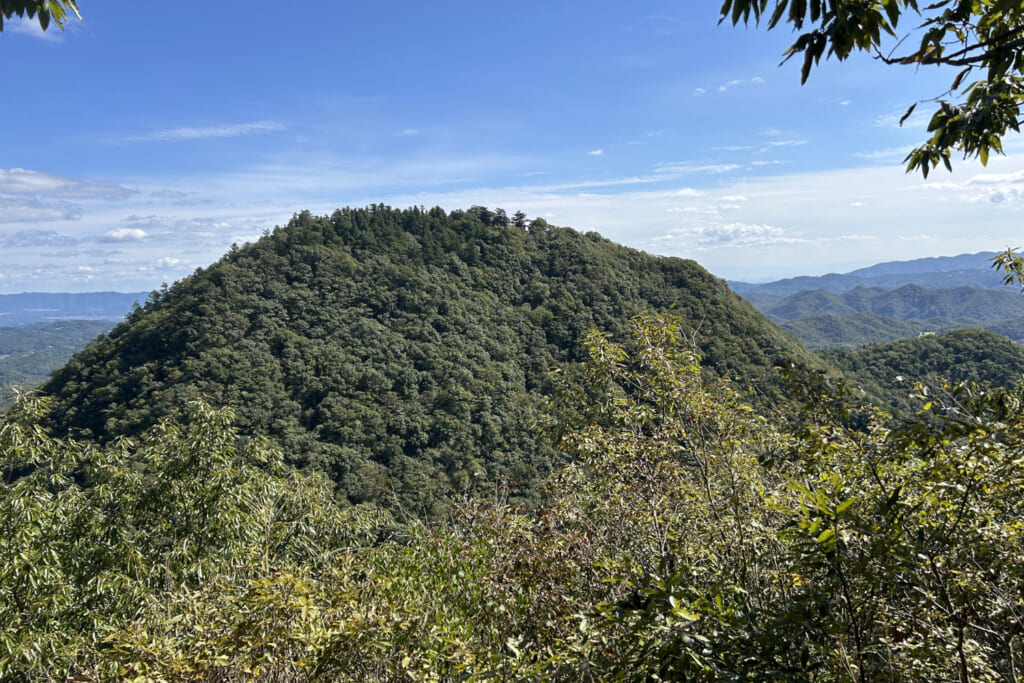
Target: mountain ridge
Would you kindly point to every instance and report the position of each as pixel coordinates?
(942, 272)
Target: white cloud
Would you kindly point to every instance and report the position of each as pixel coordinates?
(595, 152)
(124, 235)
(228, 130)
(701, 237)
(168, 261)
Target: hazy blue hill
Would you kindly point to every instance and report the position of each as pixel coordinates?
(405, 352)
(32, 307)
(833, 282)
(29, 353)
(966, 270)
(940, 264)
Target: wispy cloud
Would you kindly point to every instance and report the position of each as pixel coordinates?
(228, 130)
(679, 168)
(18, 181)
(35, 238)
(730, 85)
(890, 154)
(595, 152)
(30, 210)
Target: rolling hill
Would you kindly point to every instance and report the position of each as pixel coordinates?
(402, 351)
(886, 372)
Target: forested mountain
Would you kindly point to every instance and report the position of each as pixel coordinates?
(33, 307)
(906, 303)
(823, 320)
(965, 270)
(405, 352)
(887, 371)
(29, 353)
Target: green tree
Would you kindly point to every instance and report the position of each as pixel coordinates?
(43, 10)
(983, 41)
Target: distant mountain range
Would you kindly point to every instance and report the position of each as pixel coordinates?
(891, 300)
(36, 307)
(944, 272)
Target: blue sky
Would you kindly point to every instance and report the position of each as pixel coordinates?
(142, 142)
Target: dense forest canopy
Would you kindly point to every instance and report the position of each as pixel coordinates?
(689, 538)
(402, 351)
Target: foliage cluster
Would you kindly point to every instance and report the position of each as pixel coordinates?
(404, 352)
(982, 41)
(689, 538)
(44, 11)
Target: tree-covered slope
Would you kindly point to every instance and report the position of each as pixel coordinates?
(29, 353)
(402, 351)
(906, 303)
(886, 372)
(850, 331)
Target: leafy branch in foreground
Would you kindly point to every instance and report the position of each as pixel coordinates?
(43, 10)
(689, 539)
(983, 41)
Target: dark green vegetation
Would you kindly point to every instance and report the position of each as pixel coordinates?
(29, 353)
(403, 352)
(887, 371)
(687, 539)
